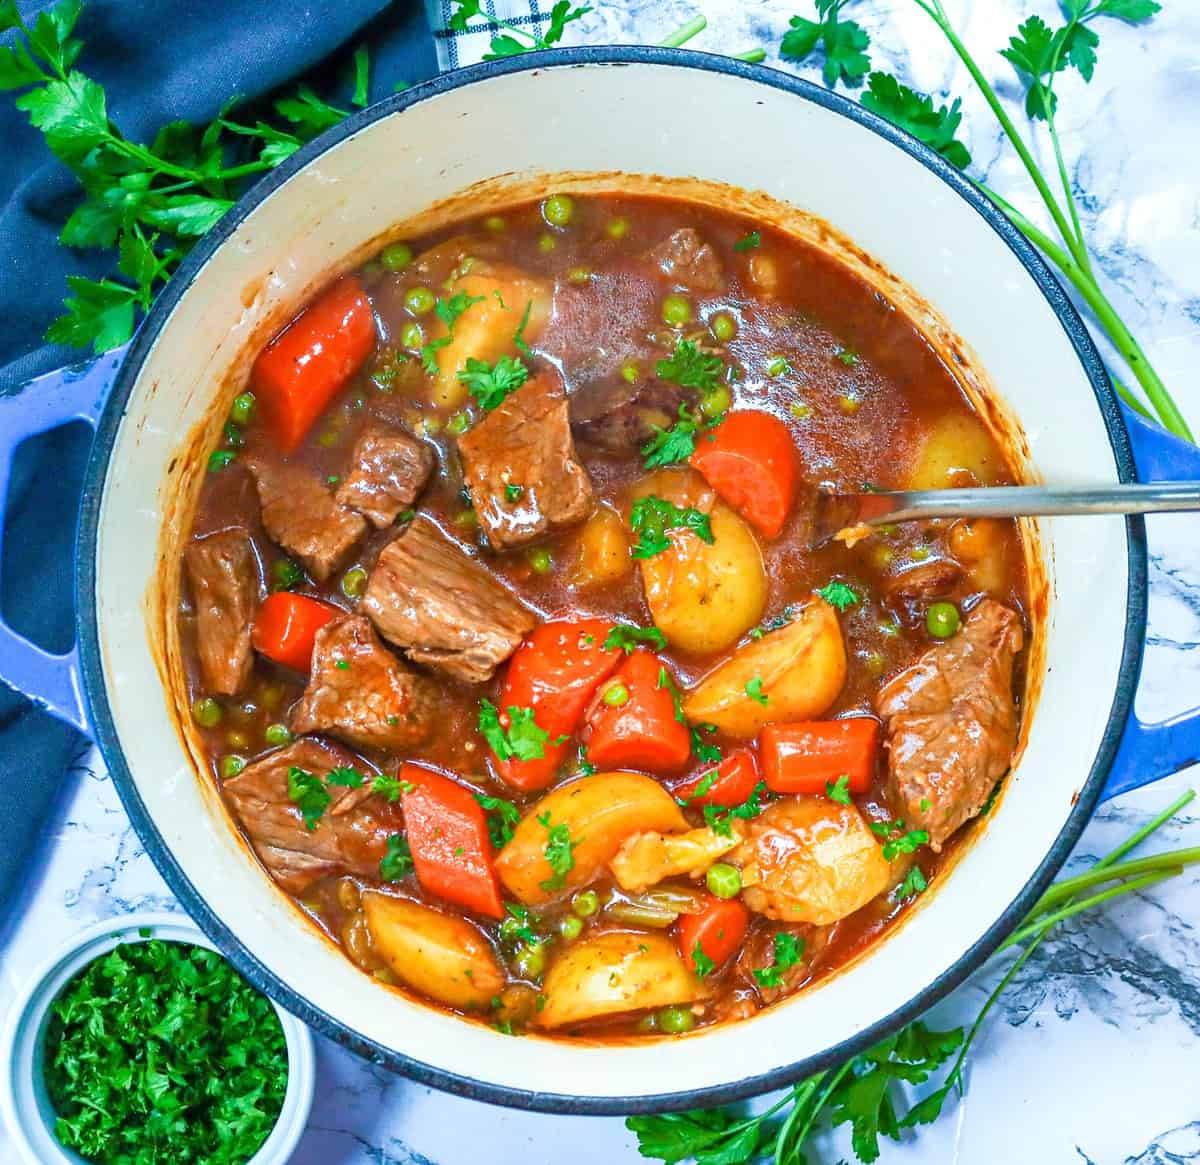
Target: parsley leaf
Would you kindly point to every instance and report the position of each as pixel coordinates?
(651, 517)
(625, 638)
(703, 964)
(749, 242)
(839, 790)
(672, 445)
(559, 851)
(508, 44)
(502, 818)
(489, 384)
(309, 794)
(843, 42)
(390, 788)
(914, 883)
(916, 114)
(708, 754)
(752, 806)
(896, 840)
(397, 862)
(789, 950)
(755, 692)
(691, 367)
(838, 594)
(448, 311)
(523, 738)
(345, 777)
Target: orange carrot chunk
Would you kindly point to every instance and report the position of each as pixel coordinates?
(718, 930)
(286, 626)
(805, 757)
(633, 722)
(735, 779)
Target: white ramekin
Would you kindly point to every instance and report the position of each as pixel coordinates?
(24, 1102)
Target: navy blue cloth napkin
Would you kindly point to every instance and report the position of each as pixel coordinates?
(159, 60)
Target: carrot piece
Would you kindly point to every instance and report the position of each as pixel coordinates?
(802, 758)
(287, 624)
(718, 930)
(640, 730)
(555, 672)
(448, 836)
(304, 367)
(750, 460)
(736, 777)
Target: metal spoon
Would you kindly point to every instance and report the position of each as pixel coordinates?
(846, 511)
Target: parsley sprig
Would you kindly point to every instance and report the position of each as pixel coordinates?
(448, 311)
(559, 852)
(690, 366)
(843, 43)
(789, 950)
(719, 820)
(523, 739)
(489, 384)
(626, 638)
(677, 443)
(651, 517)
(507, 43)
(502, 818)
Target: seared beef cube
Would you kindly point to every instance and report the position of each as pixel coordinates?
(430, 598)
(620, 417)
(360, 692)
(350, 836)
(390, 468)
(689, 262)
(520, 466)
(300, 514)
(929, 580)
(952, 723)
(223, 571)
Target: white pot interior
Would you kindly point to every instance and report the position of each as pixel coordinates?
(579, 118)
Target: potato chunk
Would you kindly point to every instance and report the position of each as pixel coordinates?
(809, 859)
(440, 955)
(649, 858)
(703, 596)
(612, 973)
(957, 451)
(486, 329)
(599, 813)
(801, 666)
(602, 556)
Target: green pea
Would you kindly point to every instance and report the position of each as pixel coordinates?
(218, 459)
(547, 242)
(231, 765)
(271, 695)
(647, 1024)
(724, 880)
(494, 223)
(236, 739)
(571, 927)
(530, 961)
(354, 582)
(430, 425)
(630, 372)
(580, 276)
(541, 560)
(207, 712)
(676, 310)
(412, 335)
(419, 300)
(509, 927)
(329, 438)
(396, 256)
(285, 574)
(585, 903)
(616, 695)
(942, 620)
(558, 210)
(715, 403)
(777, 366)
(242, 408)
(458, 424)
(724, 327)
(617, 228)
(466, 519)
(277, 735)
(676, 1020)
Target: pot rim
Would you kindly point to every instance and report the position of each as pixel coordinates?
(208, 918)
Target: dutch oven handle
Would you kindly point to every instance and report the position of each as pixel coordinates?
(71, 394)
(1149, 752)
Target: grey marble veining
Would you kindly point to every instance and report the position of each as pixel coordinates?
(1093, 1055)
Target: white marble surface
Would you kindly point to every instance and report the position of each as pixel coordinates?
(1094, 1055)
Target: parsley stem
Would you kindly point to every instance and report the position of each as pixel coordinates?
(684, 33)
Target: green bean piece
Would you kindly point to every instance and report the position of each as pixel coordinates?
(278, 735)
(242, 409)
(558, 210)
(676, 310)
(396, 256)
(585, 903)
(724, 327)
(207, 712)
(724, 880)
(942, 620)
(231, 765)
(354, 582)
(419, 300)
(676, 1020)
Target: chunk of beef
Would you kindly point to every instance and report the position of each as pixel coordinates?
(928, 580)
(689, 262)
(620, 417)
(951, 723)
(441, 607)
(758, 953)
(360, 692)
(389, 469)
(226, 582)
(351, 834)
(300, 514)
(525, 442)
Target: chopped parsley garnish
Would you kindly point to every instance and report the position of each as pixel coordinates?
(342, 665)
(520, 927)
(749, 242)
(161, 1051)
(405, 516)
(755, 692)
(774, 623)
(390, 788)
(502, 818)
(752, 806)
(689, 366)
(896, 840)
(519, 334)
(667, 682)
(489, 384)
(513, 493)
(625, 638)
(914, 883)
(651, 517)
(448, 311)
(838, 594)
(586, 768)
(839, 790)
(559, 852)
(847, 356)
(345, 778)
(677, 443)
(522, 739)
(309, 794)
(789, 950)
(705, 784)
(703, 964)
(707, 754)
(397, 862)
